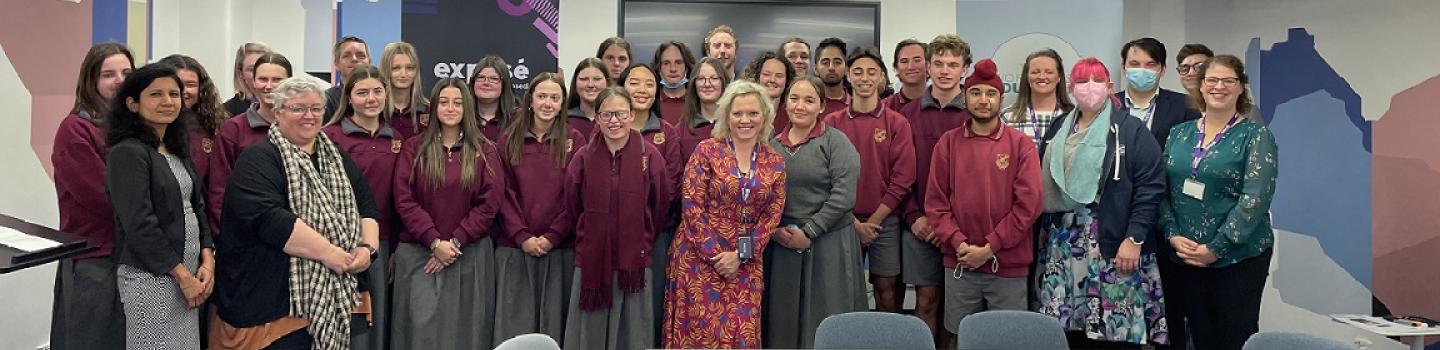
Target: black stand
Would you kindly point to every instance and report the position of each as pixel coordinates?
(12, 259)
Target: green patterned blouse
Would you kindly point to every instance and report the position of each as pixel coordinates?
(1239, 174)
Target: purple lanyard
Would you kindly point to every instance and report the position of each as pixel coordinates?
(1149, 111)
(1035, 120)
(747, 181)
(1202, 149)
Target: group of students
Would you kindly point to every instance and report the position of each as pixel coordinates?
(680, 204)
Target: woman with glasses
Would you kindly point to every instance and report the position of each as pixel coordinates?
(1221, 170)
(700, 104)
(616, 194)
(495, 100)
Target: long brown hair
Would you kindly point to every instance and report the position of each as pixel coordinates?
(1243, 104)
(693, 106)
(430, 160)
(87, 94)
(505, 103)
(1022, 98)
(559, 130)
(208, 111)
(343, 108)
(588, 62)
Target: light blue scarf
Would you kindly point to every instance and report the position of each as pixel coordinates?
(1073, 189)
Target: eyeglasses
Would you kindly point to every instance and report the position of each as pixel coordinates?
(488, 79)
(301, 110)
(616, 116)
(1186, 68)
(1223, 82)
(708, 80)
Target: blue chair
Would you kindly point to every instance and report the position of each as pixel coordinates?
(533, 341)
(1010, 329)
(1292, 340)
(873, 330)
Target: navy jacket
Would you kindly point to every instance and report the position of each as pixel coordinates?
(1132, 180)
(1173, 108)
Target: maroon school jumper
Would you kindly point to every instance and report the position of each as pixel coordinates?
(897, 101)
(834, 105)
(409, 122)
(375, 156)
(928, 121)
(580, 123)
(782, 117)
(448, 210)
(203, 153)
(535, 191)
(666, 138)
(671, 108)
(655, 206)
(79, 160)
(887, 156)
(985, 190)
(234, 136)
(699, 130)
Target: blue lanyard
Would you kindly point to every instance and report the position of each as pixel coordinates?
(1202, 149)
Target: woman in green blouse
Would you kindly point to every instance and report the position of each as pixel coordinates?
(1221, 170)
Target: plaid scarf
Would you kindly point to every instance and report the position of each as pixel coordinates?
(322, 197)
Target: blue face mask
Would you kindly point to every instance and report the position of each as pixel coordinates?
(1141, 79)
(677, 85)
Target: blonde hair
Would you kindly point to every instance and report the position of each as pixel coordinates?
(387, 57)
(736, 90)
(242, 86)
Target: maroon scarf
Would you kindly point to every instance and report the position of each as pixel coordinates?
(607, 218)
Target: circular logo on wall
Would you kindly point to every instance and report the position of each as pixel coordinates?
(1010, 56)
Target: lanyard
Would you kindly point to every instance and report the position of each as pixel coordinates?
(1149, 111)
(1202, 149)
(747, 180)
(1035, 120)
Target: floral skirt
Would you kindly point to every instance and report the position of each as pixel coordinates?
(1086, 293)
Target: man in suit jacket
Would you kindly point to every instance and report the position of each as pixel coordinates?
(1160, 109)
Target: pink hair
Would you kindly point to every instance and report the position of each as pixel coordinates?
(1088, 69)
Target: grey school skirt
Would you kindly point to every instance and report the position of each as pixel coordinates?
(532, 294)
(451, 309)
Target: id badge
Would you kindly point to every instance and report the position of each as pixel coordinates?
(1194, 188)
(746, 248)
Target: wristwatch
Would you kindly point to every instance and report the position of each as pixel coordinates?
(373, 252)
(1132, 240)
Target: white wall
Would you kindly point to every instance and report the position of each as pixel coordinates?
(584, 24)
(211, 30)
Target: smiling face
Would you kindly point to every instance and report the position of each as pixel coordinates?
(159, 103)
(267, 77)
(803, 104)
(799, 56)
(722, 47)
(352, 54)
(487, 84)
(1221, 86)
(589, 83)
(641, 87)
(946, 70)
(616, 59)
(1044, 73)
(614, 118)
(708, 84)
(546, 99)
(301, 117)
(402, 71)
(1189, 70)
(190, 86)
(745, 118)
(112, 72)
(450, 107)
(367, 98)
(910, 65)
(866, 77)
(772, 77)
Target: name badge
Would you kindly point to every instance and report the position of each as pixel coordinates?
(1195, 189)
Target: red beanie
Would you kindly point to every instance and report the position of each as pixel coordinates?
(985, 73)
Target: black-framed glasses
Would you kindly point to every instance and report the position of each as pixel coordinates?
(616, 116)
(1222, 82)
(1186, 68)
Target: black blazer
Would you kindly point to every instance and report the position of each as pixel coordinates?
(149, 214)
(1173, 108)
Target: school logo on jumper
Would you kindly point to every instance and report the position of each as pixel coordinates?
(206, 145)
(569, 145)
(395, 146)
(659, 138)
(645, 163)
(1002, 161)
(879, 135)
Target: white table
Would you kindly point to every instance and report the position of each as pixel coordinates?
(1415, 336)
